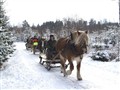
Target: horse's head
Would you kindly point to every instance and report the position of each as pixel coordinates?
(74, 35)
(80, 38)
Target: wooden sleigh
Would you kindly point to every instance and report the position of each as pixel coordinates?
(50, 63)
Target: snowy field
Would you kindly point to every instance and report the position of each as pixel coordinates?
(23, 71)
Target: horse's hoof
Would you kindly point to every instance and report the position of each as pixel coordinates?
(65, 74)
(79, 79)
(68, 72)
(61, 71)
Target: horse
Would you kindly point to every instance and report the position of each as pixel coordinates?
(29, 43)
(72, 48)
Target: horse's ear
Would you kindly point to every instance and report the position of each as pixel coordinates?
(71, 36)
(78, 32)
(86, 31)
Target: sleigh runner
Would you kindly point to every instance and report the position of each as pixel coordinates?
(54, 62)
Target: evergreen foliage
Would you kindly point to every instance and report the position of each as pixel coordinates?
(6, 47)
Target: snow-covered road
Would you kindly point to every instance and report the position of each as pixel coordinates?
(24, 72)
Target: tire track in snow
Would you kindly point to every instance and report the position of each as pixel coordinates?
(70, 81)
(66, 80)
(30, 74)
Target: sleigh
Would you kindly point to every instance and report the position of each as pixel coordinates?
(48, 63)
(31, 47)
(53, 62)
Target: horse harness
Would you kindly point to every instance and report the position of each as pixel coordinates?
(77, 50)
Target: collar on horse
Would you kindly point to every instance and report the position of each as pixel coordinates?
(77, 50)
(74, 48)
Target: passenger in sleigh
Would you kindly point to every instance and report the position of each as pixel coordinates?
(34, 43)
(51, 51)
(40, 44)
(28, 42)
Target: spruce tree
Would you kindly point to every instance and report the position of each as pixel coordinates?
(27, 31)
(5, 42)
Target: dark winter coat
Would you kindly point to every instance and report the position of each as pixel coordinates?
(51, 45)
(40, 44)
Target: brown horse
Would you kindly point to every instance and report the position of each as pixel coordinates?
(72, 48)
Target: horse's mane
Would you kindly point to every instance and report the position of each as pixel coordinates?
(82, 38)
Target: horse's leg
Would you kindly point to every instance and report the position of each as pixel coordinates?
(31, 48)
(63, 68)
(78, 68)
(71, 67)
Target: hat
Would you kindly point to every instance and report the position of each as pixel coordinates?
(51, 35)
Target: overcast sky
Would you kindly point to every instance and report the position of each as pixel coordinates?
(39, 11)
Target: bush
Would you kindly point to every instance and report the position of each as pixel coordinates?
(103, 56)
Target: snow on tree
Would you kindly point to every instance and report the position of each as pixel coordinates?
(106, 45)
(27, 31)
(6, 47)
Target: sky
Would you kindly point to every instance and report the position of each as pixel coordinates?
(39, 11)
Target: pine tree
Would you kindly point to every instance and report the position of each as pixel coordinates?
(27, 31)
(5, 41)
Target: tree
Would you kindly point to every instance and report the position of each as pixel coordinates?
(92, 24)
(58, 25)
(27, 31)
(68, 23)
(5, 41)
(25, 25)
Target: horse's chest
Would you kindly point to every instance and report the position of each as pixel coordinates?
(77, 59)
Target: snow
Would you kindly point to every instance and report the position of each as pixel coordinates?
(23, 71)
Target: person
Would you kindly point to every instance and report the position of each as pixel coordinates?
(51, 51)
(40, 44)
(28, 40)
(44, 44)
(34, 43)
(28, 43)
